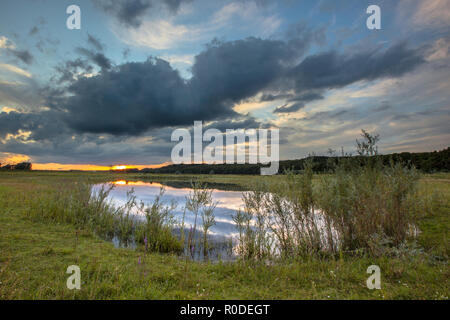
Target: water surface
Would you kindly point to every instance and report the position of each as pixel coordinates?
(228, 202)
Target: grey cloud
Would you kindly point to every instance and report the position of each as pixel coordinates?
(96, 57)
(299, 100)
(42, 125)
(134, 97)
(150, 97)
(33, 31)
(307, 97)
(23, 55)
(292, 108)
(130, 12)
(68, 71)
(334, 70)
(246, 123)
(272, 97)
(95, 43)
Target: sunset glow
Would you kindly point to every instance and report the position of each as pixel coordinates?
(92, 167)
(120, 167)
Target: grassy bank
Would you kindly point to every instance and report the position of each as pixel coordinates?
(34, 256)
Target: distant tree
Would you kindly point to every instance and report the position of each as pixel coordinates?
(367, 146)
(26, 166)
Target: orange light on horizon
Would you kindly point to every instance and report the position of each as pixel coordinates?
(121, 167)
(92, 167)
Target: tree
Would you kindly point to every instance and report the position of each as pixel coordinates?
(367, 146)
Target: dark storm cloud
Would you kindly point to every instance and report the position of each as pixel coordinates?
(333, 70)
(307, 97)
(300, 37)
(134, 97)
(130, 12)
(96, 57)
(129, 99)
(52, 141)
(236, 70)
(42, 125)
(267, 97)
(292, 108)
(299, 100)
(69, 70)
(246, 123)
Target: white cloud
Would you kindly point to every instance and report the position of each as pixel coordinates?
(423, 14)
(159, 34)
(14, 69)
(5, 43)
(439, 51)
(235, 18)
(186, 59)
(433, 13)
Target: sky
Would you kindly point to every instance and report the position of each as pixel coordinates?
(113, 91)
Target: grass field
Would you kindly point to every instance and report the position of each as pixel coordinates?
(34, 256)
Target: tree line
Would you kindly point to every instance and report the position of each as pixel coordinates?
(427, 162)
(23, 166)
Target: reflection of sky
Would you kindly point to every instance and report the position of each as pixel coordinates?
(227, 203)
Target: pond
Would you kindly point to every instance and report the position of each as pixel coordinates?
(222, 236)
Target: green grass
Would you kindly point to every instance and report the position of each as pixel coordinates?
(34, 256)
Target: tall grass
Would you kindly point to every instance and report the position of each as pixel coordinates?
(370, 202)
(156, 231)
(78, 204)
(200, 203)
(362, 206)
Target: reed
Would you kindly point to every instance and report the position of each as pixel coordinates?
(362, 206)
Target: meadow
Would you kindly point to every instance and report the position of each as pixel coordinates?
(44, 229)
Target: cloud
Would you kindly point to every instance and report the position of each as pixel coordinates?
(432, 13)
(5, 43)
(132, 107)
(23, 55)
(292, 108)
(41, 125)
(33, 31)
(134, 97)
(157, 34)
(131, 12)
(71, 70)
(96, 57)
(95, 43)
(16, 70)
(162, 33)
(330, 70)
(333, 70)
